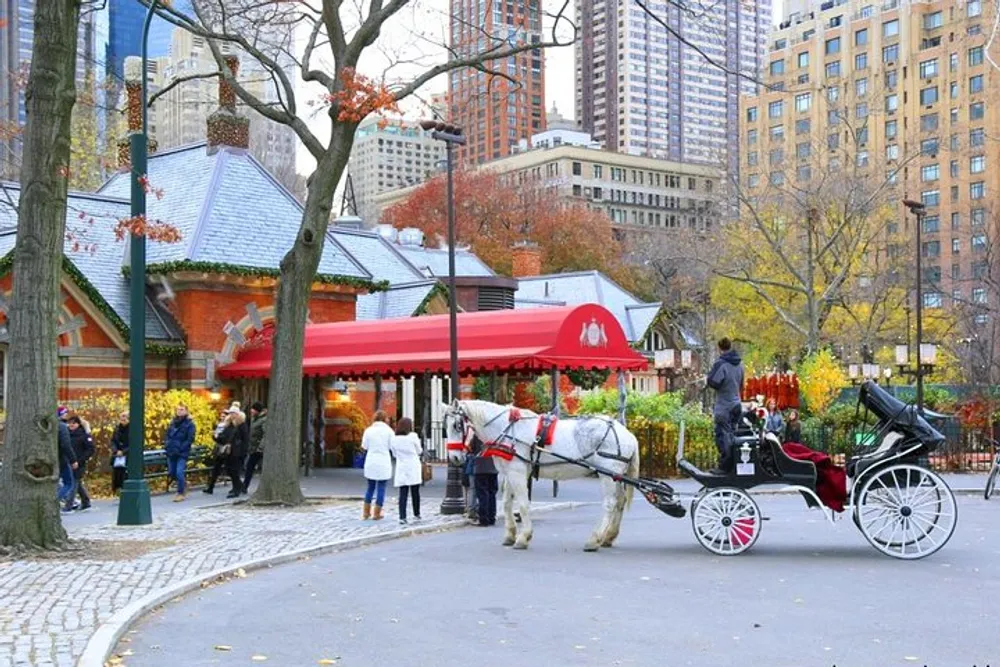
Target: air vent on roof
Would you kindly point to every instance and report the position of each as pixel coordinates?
(349, 221)
(411, 236)
(388, 232)
(495, 298)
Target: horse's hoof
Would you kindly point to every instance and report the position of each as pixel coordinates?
(590, 546)
(520, 546)
(507, 541)
(607, 545)
(528, 538)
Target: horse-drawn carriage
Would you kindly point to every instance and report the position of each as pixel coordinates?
(901, 507)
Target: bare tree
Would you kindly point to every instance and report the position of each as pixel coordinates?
(30, 516)
(340, 36)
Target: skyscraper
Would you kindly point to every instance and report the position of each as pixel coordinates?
(640, 90)
(494, 113)
(125, 33)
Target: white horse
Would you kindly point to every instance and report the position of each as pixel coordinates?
(511, 432)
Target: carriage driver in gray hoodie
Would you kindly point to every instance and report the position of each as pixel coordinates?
(726, 378)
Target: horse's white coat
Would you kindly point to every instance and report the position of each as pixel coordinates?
(575, 438)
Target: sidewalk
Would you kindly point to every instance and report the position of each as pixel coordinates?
(50, 607)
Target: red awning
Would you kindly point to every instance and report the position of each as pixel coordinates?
(537, 339)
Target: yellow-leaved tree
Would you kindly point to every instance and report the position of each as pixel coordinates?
(821, 378)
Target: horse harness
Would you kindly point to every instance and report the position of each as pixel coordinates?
(505, 446)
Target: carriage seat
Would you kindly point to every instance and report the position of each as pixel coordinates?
(793, 471)
(859, 463)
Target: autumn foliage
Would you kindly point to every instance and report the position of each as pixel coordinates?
(360, 96)
(492, 216)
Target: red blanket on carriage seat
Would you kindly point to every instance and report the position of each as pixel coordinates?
(831, 479)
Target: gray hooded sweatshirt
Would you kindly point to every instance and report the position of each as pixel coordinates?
(726, 378)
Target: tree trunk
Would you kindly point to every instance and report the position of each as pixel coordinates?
(30, 517)
(279, 483)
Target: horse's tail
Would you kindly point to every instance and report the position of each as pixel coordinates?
(633, 472)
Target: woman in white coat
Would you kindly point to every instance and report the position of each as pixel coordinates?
(407, 450)
(378, 463)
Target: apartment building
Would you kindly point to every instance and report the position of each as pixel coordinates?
(494, 113)
(904, 93)
(389, 154)
(641, 90)
(637, 193)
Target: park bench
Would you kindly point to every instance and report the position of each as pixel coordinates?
(156, 459)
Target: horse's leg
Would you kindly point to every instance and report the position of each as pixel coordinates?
(616, 516)
(510, 525)
(519, 486)
(608, 487)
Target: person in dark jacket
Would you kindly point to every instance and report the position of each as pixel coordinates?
(119, 452)
(793, 429)
(67, 463)
(230, 448)
(485, 475)
(726, 378)
(83, 449)
(180, 437)
(258, 414)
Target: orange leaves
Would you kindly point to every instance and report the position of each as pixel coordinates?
(153, 230)
(149, 189)
(4, 23)
(359, 96)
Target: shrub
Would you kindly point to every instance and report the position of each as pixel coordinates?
(820, 380)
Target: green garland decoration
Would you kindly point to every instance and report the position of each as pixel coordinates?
(438, 290)
(588, 379)
(164, 268)
(95, 297)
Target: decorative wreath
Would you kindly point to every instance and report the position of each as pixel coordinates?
(588, 379)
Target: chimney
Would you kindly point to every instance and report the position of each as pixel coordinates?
(133, 110)
(225, 126)
(527, 259)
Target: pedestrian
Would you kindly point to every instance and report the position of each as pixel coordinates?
(230, 448)
(774, 423)
(258, 414)
(469, 487)
(726, 378)
(119, 453)
(376, 442)
(180, 437)
(793, 430)
(83, 449)
(406, 447)
(67, 464)
(486, 486)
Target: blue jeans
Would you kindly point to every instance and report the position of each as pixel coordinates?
(176, 467)
(67, 483)
(374, 485)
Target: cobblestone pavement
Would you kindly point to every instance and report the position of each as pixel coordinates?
(49, 608)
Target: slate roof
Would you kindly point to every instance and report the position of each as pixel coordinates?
(433, 262)
(401, 300)
(228, 209)
(102, 267)
(570, 289)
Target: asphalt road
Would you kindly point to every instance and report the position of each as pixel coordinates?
(808, 594)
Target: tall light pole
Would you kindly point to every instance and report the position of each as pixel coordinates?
(451, 135)
(918, 209)
(134, 508)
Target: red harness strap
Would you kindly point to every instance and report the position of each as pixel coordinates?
(504, 452)
(546, 431)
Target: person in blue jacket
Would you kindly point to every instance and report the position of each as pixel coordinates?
(180, 437)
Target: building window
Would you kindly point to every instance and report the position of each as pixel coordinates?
(931, 249)
(891, 79)
(930, 197)
(977, 164)
(891, 129)
(977, 137)
(861, 87)
(803, 150)
(892, 152)
(977, 217)
(929, 122)
(752, 159)
(890, 28)
(929, 95)
(752, 115)
(861, 37)
(777, 67)
(979, 295)
(776, 156)
(802, 126)
(931, 224)
(833, 69)
(891, 103)
(861, 110)
(833, 141)
(777, 178)
(778, 133)
(932, 21)
(751, 139)
(954, 169)
(955, 245)
(929, 173)
(933, 300)
(598, 171)
(861, 159)
(974, 8)
(833, 46)
(803, 59)
(928, 68)
(975, 56)
(976, 83)
(861, 61)
(956, 221)
(977, 190)
(978, 242)
(803, 102)
(577, 169)
(775, 109)
(803, 173)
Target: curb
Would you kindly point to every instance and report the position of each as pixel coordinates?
(105, 638)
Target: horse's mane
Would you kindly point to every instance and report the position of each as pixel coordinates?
(480, 410)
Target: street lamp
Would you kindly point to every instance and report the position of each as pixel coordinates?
(665, 362)
(134, 507)
(918, 210)
(451, 135)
